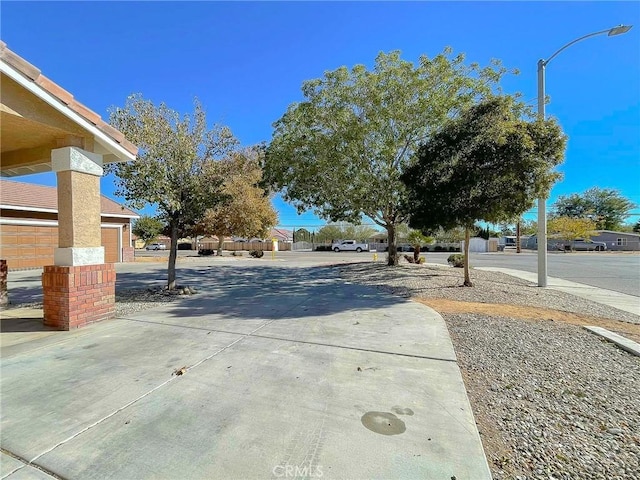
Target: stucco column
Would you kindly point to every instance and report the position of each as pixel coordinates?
(80, 288)
(79, 234)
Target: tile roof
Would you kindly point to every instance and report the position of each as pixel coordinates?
(33, 74)
(29, 195)
(281, 233)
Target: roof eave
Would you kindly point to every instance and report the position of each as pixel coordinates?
(115, 151)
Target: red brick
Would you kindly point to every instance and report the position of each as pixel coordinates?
(77, 296)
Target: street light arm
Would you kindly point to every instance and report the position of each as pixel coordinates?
(542, 208)
(602, 32)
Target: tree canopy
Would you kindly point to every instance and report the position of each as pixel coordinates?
(487, 165)
(341, 151)
(344, 231)
(567, 228)
(302, 235)
(176, 168)
(147, 228)
(605, 206)
(246, 210)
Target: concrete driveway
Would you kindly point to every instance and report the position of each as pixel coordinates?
(289, 372)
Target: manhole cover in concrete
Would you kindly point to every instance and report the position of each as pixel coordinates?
(383, 423)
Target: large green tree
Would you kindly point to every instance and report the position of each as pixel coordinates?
(605, 206)
(344, 231)
(176, 169)
(487, 165)
(246, 210)
(147, 228)
(570, 228)
(341, 151)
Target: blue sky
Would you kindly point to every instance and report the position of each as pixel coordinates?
(246, 62)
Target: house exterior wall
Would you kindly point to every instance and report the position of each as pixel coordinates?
(29, 239)
(618, 241)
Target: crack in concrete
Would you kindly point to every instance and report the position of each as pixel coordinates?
(307, 342)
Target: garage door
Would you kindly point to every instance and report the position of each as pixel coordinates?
(111, 245)
(29, 246)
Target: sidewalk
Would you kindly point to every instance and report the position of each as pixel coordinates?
(288, 373)
(621, 301)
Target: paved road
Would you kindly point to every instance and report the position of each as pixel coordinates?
(611, 271)
(619, 272)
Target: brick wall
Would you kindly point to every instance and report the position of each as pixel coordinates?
(128, 254)
(4, 297)
(76, 296)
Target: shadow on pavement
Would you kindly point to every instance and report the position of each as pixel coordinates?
(9, 324)
(257, 291)
(239, 291)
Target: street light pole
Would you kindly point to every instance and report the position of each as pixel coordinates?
(542, 201)
(542, 208)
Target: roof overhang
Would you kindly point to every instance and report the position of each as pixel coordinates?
(37, 116)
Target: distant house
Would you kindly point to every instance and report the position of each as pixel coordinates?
(137, 242)
(281, 235)
(620, 241)
(29, 226)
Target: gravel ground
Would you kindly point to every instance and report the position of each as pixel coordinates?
(441, 281)
(551, 400)
(136, 300)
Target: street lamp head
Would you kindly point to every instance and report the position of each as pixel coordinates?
(619, 30)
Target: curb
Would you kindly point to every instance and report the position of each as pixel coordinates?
(622, 342)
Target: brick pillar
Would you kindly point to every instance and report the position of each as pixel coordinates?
(4, 296)
(80, 288)
(128, 254)
(77, 296)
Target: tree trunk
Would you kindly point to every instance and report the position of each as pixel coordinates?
(518, 236)
(392, 258)
(173, 254)
(416, 253)
(220, 244)
(467, 280)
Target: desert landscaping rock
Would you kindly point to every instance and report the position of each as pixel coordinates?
(551, 400)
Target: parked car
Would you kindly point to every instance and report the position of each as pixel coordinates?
(349, 246)
(156, 246)
(581, 244)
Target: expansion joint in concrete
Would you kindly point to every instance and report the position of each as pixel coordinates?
(27, 463)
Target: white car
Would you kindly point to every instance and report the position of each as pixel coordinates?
(156, 246)
(349, 246)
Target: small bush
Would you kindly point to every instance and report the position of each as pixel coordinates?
(256, 253)
(184, 246)
(456, 260)
(237, 253)
(206, 252)
(323, 248)
(421, 260)
(438, 248)
(453, 249)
